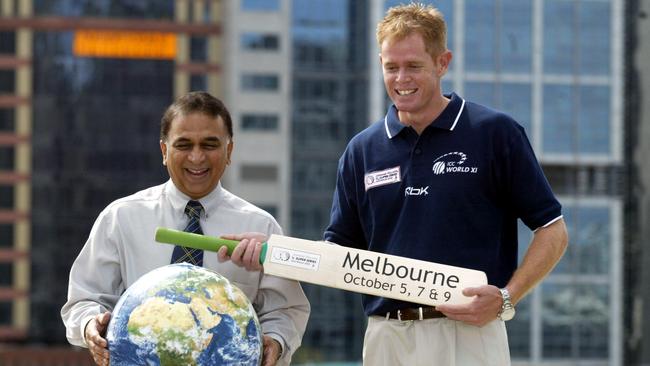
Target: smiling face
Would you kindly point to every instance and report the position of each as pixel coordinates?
(412, 78)
(196, 153)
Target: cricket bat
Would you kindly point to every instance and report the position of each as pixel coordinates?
(350, 269)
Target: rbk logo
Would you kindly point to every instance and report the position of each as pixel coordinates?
(412, 191)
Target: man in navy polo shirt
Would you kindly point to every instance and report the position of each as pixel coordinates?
(444, 180)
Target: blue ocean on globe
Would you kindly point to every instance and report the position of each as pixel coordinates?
(182, 314)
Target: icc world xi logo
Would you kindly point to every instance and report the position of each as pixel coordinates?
(452, 162)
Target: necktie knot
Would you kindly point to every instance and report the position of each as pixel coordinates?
(193, 209)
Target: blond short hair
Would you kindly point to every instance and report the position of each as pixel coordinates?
(403, 20)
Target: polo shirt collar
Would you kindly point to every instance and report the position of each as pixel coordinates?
(179, 199)
(447, 120)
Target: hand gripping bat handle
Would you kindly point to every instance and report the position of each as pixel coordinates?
(198, 241)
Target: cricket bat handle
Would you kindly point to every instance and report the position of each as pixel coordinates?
(198, 241)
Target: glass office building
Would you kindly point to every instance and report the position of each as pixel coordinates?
(79, 130)
(330, 95)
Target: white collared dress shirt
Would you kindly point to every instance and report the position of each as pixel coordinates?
(121, 248)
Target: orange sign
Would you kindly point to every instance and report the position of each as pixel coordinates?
(124, 44)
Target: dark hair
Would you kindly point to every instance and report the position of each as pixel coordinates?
(195, 102)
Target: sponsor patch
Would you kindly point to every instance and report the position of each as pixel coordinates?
(382, 177)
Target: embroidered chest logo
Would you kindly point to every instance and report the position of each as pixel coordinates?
(452, 162)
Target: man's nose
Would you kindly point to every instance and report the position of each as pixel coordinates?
(402, 75)
(196, 155)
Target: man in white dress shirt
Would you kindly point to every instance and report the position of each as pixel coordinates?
(196, 144)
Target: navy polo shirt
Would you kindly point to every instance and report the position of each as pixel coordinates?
(451, 195)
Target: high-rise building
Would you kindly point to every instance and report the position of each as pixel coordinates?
(83, 87)
(257, 50)
(329, 105)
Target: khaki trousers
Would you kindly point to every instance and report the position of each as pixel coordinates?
(439, 342)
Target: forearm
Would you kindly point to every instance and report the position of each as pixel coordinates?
(545, 250)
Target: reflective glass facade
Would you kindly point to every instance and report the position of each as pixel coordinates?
(96, 128)
(551, 64)
(330, 98)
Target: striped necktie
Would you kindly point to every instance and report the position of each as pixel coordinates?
(190, 255)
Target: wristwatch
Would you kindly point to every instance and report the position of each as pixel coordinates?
(507, 309)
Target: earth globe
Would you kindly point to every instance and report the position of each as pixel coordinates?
(182, 314)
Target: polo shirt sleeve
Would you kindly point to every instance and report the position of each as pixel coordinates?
(345, 227)
(530, 195)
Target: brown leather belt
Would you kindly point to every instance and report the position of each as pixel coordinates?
(420, 313)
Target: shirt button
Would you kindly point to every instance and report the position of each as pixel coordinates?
(418, 151)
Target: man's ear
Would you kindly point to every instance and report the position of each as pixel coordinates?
(443, 61)
(231, 144)
(163, 150)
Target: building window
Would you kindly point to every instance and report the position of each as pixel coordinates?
(264, 122)
(260, 5)
(259, 173)
(515, 36)
(576, 119)
(577, 37)
(7, 42)
(198, 82)
(501, 43)
(7, 81)
(314, 176)
(6, 197)
(260, 82)
(198, 49)
(7, 116)
(6, 235)
(7, 157)
(260, 41)
(480, 42)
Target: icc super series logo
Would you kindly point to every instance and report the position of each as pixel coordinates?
(452, 162)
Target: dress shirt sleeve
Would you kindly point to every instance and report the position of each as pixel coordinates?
(283, 310)
(95, 282)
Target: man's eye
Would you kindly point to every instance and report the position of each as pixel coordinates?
(183, 146)
(210, 146)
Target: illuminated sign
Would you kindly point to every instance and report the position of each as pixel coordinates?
(124, 44)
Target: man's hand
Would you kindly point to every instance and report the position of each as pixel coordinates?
(483, 309)
(272, 351)
(95, 332)
(247, 252)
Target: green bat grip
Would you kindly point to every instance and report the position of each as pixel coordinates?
(198, 241)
